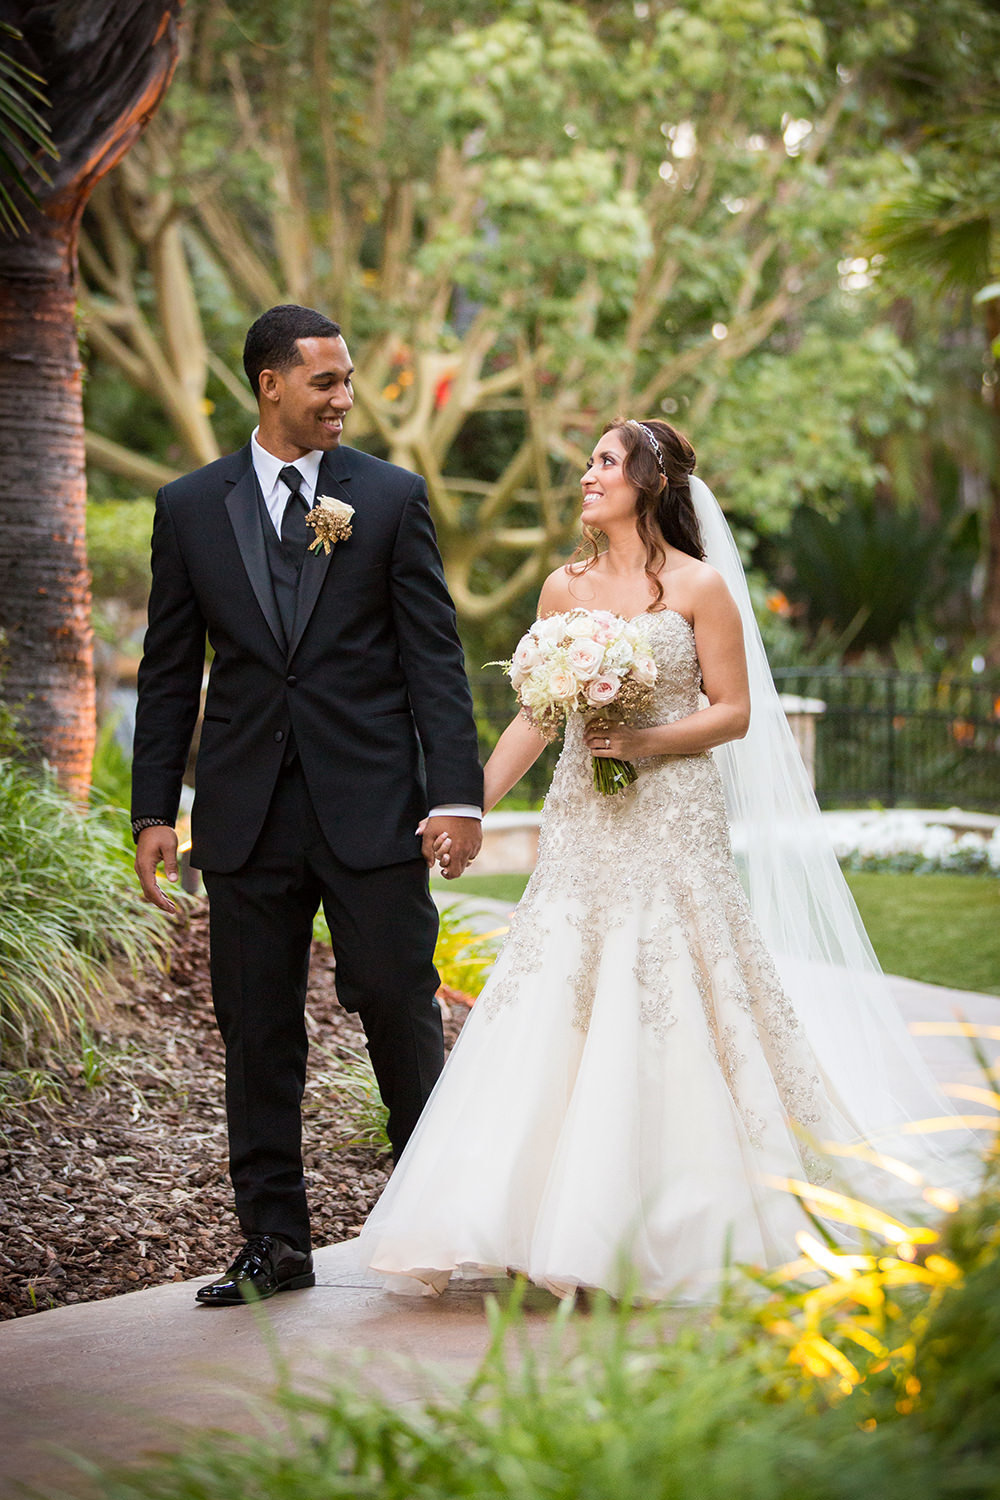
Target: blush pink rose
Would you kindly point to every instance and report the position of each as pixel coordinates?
(585, 657)
(563, 685)
(606, 626)
(603, 689)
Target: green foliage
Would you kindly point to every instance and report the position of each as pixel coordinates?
(884, 1380)
(865, 573)
(111, 773)
(24, 135)
(118, 534)
(464, 956)
(71, 912)
(527, 216)
(799, 424)
(349, 1079)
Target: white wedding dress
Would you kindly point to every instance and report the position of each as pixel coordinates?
(633, 1071)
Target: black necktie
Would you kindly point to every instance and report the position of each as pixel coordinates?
(294, 531)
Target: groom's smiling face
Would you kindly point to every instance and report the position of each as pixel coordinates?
(303, 407)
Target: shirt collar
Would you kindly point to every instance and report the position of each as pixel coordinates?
(268, 467)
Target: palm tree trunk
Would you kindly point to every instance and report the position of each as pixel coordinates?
(47, 669)
(106, 66)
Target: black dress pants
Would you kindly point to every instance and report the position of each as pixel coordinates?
(384, 926)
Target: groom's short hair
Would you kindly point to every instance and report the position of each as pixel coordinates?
(271, 341)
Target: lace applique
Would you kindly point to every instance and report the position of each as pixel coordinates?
(593, 926)
(656, 953)
(521, 956)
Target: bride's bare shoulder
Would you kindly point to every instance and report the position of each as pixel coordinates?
(705, 590)
(558, 593)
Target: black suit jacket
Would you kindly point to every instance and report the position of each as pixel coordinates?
(372, 682)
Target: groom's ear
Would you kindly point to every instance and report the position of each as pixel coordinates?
(271, 383)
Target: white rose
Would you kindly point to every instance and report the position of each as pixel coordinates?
(644, 670)
(526, 654)
(552, 628)
(339, 510)
(579, 624)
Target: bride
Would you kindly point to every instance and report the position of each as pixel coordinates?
(660, 1040)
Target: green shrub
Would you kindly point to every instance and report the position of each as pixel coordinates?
(111, 771)
(118, 533)
(71, 911)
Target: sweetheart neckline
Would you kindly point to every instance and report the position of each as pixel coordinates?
(666, 610)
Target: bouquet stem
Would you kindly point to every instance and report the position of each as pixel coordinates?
(612, 775)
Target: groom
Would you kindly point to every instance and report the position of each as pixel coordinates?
(337, 713)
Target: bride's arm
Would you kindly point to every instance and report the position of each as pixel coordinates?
(518, 747)
(718, 633)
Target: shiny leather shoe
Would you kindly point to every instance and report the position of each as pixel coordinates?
(265, 1265)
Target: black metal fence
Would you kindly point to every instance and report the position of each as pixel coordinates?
(895, 738)
(903, 739)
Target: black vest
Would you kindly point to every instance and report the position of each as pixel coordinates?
(284, 568)
(285, 572)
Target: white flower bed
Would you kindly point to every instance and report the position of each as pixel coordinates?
(907, 841)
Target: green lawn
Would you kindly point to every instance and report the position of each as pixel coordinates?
(943, 929)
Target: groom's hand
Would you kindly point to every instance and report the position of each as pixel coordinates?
(453, 841)
(156, 844)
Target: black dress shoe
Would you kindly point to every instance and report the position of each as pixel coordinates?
(265, 1265)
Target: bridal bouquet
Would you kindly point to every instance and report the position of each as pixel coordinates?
(585, 661)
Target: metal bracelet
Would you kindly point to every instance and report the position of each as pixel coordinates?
(138, 824)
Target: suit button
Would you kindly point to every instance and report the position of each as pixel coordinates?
(279, 734)
(291, 681)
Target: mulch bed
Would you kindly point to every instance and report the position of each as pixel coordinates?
(122, 1183)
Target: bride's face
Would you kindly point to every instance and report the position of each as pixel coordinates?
(608, 498)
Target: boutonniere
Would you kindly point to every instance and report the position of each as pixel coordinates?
(331, 521)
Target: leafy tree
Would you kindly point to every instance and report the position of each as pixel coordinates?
(528, 217)
(937, 231)
(105, 68)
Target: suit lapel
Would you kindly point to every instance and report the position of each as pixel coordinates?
(333, 480)
(244, 515)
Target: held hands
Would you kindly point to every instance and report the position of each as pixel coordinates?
(616, 741)
(156, 844)
(451, 842)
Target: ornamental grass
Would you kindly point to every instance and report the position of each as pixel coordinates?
(71, 916)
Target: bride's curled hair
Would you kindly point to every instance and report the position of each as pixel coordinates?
(664, 508)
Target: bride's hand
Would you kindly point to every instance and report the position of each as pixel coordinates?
(616, 741)
(442, 846)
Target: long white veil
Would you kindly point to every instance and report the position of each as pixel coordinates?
(802, 904)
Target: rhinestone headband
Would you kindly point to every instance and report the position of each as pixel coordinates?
(651, 439)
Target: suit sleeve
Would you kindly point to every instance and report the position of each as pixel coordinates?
(170, 677)
(432, 658)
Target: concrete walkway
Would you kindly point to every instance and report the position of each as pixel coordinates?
(117, 1378)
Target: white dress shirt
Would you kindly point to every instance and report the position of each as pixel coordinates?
(276, 493)
(275, 490)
